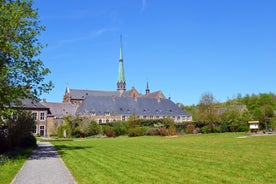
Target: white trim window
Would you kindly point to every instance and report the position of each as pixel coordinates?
(34, 129)
(34, 115)
(42, 116)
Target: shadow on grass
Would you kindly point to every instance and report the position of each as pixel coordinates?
(48, 151)
(14, 155)
(63, 148)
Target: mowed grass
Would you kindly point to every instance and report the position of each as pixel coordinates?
(214, 158)
(11, 164)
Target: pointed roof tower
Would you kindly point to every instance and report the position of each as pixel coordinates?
(121, 83)
(147, 89)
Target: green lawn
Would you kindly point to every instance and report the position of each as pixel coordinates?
(11, 164)
(214, 158)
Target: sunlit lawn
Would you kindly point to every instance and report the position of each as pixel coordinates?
(214, 158)
(11, 164)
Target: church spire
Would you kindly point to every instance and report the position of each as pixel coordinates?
(121, 83)
(147, 89)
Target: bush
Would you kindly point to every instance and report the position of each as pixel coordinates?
(61, 133)
(223, 127)
(190, 128)
(152, 131)
(28, 141)
(94, 128)
(172, 130)
(18, 131)
(110, 133)
(119, 128)
(137, 131)
(163, 132)
(205, 130)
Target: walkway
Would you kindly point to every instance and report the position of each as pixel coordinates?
(44, 166)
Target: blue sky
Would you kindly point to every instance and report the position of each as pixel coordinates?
(183, 48)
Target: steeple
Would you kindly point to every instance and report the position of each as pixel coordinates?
(67, 95)
(121, 83)
(147, 89)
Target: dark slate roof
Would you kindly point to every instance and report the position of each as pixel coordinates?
(156, 94)
(82, 93)
(30, 104)
(128, 105)
(61, 109)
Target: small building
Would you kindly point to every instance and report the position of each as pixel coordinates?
(253, 125)
(57, 111)
(39, 114)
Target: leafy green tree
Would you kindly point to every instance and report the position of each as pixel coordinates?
(119, 128)
(235, 119)
(262, 108)
(207, 111)
(85, 126)
(21, 71)
(94, 128)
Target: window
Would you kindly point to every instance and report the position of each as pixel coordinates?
(144, 117)
(100, 121)
(151, 117)
(34, 129)
(123, 118)
(107, 121)
(42, 116)
(93, 113)
(107, 113)
(34, 116)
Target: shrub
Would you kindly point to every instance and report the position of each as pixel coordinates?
(17, 131)
(64, 131)
(172, 130)
(104, 129)
(94, 128)
(163, 132)
(152, 131)
(28, 141)
(223, 127)
(110, 133)
(119, 128)
(137, 131)
(190, 128)
(205, 130)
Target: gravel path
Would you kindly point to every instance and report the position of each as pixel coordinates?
(44, 166)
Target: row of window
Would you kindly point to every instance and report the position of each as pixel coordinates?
(34, 130)
(41, 117)
(108, 113)
(178, 118)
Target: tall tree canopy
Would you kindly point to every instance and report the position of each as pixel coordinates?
(207, 110)
(22, 73)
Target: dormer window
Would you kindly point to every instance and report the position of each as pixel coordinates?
(107, 113)
(93, 113)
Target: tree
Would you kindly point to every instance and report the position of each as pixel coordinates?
(94, 128)
(21, 71)
(262, 108)
(265, 110)
(207, 111)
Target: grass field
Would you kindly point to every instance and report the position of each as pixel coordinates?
(213, 158)
(10, 165)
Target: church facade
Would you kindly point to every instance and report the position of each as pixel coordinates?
(108, 106)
